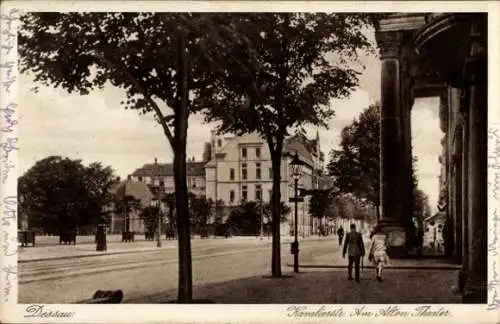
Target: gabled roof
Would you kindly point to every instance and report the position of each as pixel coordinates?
(295, 144)
(137, 189)
(167, 169)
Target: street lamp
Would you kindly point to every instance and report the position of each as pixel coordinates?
(157, 199)
(296, 171)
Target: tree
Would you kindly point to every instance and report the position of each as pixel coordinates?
(281, 76)
(319, 203)
(60, 194)
(149, 215)
(126, 205)
(156, 58)
(248, 216)
(201, 208)
(355, 167)
(169, 200)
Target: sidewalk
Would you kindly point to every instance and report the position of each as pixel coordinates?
(85, 246)
(335, 260)
(328, 287)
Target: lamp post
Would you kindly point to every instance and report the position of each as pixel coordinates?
(158, 202)
(296, 170)
(261, 219)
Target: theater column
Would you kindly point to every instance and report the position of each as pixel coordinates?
(462, 275)
(476, 284)
(391, 153)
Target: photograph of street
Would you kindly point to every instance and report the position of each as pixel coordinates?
(252, 158)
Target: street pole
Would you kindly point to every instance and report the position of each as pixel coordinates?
(158, 197)
(261, 220)
(158, 242)
(296, 241)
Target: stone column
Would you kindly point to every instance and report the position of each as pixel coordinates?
(477, 265)
(462, 275)
(457, 176)
(406, 150)
(448, 231)
(391, 155)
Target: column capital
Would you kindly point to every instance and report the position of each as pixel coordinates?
(390, 44)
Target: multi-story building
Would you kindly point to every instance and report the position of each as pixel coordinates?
(240, 169)
(162, 175)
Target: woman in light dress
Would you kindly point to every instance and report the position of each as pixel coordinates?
(378, 253)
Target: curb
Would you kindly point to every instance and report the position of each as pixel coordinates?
(105, 253)
(402, 267)
(91, 255)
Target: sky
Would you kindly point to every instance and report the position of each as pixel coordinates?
(96, 127)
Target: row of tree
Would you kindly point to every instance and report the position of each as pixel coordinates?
(268, 73)
(60, 194)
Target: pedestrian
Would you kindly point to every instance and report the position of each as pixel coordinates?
(340, 234)
(378, 253)
(355, 248)
(439, 243)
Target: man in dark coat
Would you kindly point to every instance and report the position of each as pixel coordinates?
(340, 234)
(355, 248)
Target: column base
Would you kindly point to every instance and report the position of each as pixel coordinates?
(396, 239)
(462, 279)
(475, 293)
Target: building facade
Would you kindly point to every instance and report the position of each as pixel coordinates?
(438, 55)
(162, 175)
(240, 169)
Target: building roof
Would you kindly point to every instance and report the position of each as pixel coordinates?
(136, 189)
(167, 169)
(295, 144)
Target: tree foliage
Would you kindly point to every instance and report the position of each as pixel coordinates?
(149, 215)
(248, 216)
(155, 58)
(59, 194)
(283, 75)
(200, 209)
(355, 167)
(319, 203)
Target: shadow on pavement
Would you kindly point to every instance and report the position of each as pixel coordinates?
(327, 287)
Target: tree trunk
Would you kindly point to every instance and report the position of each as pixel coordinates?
(276, 210)
(185, 292)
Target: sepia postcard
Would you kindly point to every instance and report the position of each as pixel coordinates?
(249, 161)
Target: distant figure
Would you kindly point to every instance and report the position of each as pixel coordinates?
(378, 253)
(340, 234)
(355, 248)
(439, 240)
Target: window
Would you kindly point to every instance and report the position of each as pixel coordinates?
(244, 193)
(257, 152)
(257, 171)
(258, 192)
(231, 174)
(270, 173)
(244, 171)
(244, 152)
(219, 142)
(231, 196)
